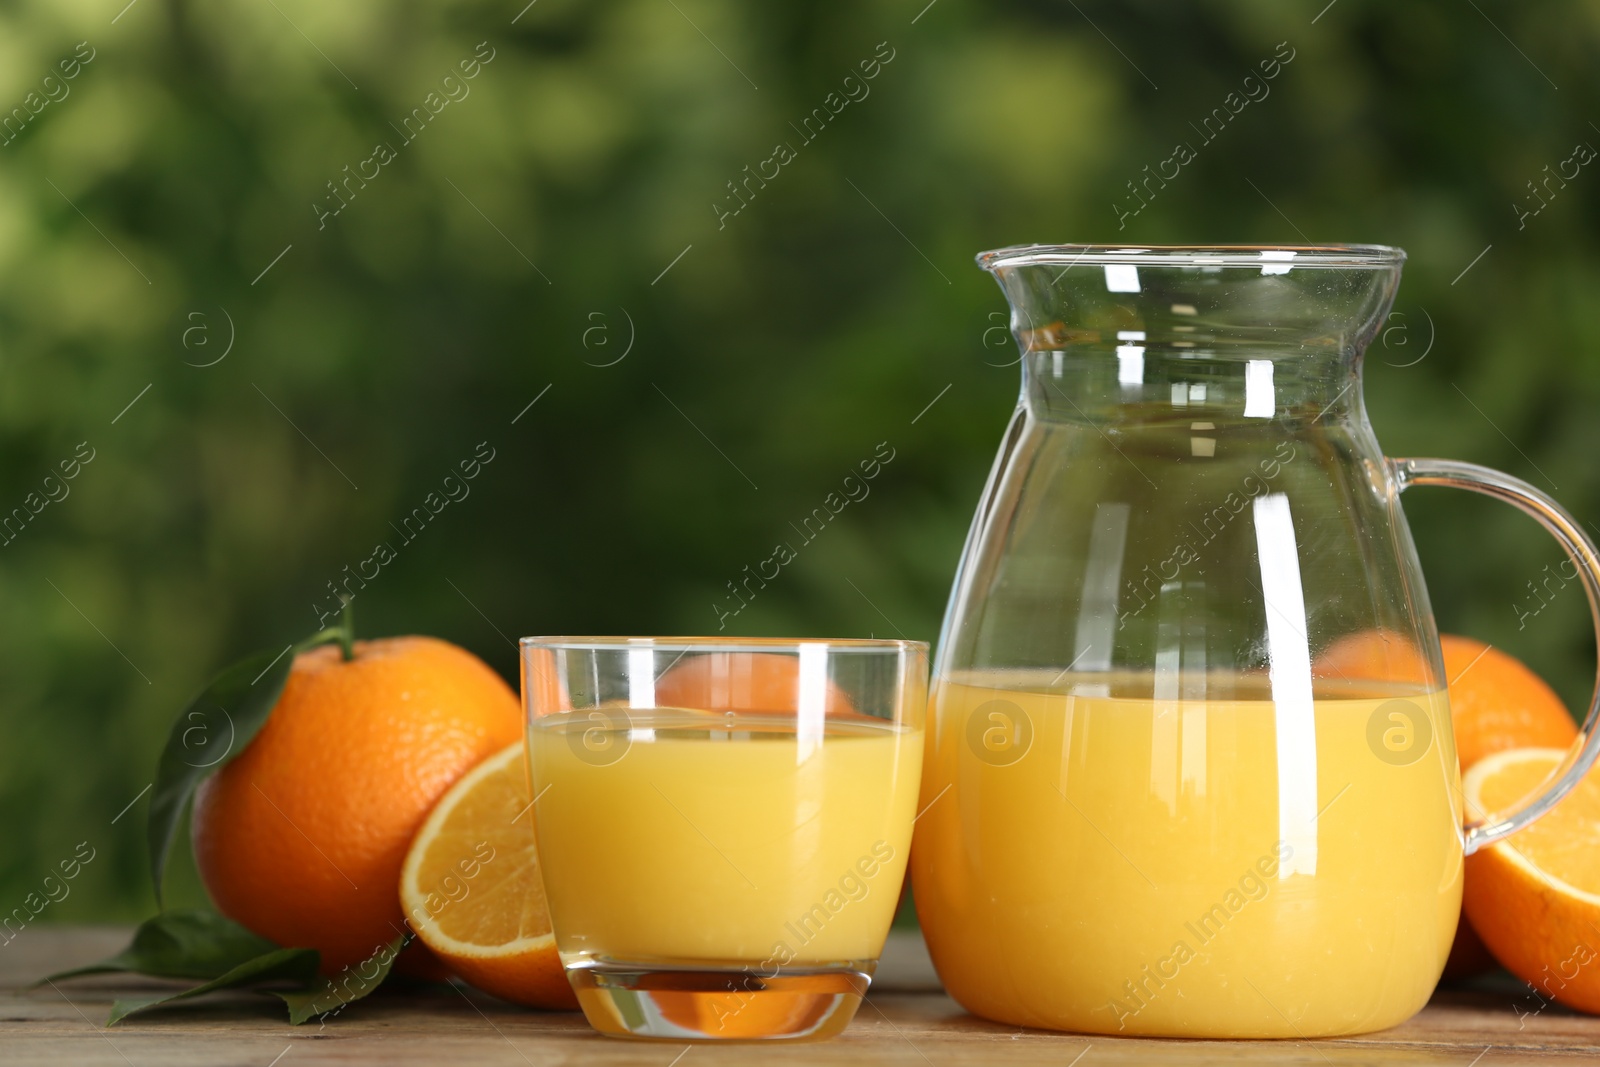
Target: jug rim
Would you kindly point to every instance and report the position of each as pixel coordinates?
(1319, 256)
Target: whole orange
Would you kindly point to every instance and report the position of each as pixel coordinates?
(301, 837)
(1497, 702)
(1378, 655)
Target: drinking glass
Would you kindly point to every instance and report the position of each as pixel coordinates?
(722, 824)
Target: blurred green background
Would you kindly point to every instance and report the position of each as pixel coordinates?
(553, 232)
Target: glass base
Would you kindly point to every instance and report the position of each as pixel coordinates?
(663, 1002)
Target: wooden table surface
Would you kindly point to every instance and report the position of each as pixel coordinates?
(904, 1022)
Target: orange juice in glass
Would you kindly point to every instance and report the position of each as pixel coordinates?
(723, 826)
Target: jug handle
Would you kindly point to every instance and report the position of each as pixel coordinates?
(1488, 829)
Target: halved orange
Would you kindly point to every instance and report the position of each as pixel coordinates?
(1496, 703)
(471, 887)
(737, 1016)
(1534, 898)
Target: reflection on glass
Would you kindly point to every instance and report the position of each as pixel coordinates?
(1290, 670)
(1102, 576)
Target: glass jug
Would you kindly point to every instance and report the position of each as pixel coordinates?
(1190, 769)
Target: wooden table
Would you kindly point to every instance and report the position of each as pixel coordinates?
(904, 1022)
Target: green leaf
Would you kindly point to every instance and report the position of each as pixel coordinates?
(182, 944)
(282, 964)
(199, 944)
(351, 984)
(215, 727)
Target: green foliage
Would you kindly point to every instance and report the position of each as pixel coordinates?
(182, 944)
(282, 964)
(175, 201)
(203, 944)
(324, 995)
(216, 726)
